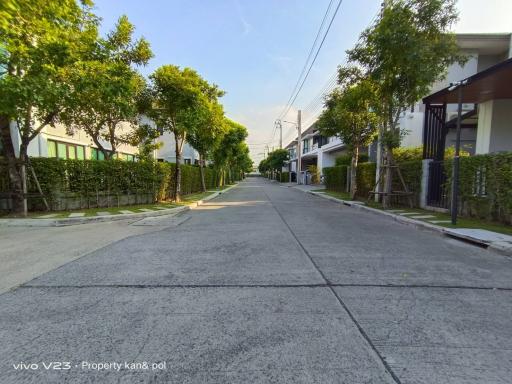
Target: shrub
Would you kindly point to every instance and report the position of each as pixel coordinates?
(347, 159)
(106, 183)
(485, 186)
(315, 174)
(335, 178)
(365, 179)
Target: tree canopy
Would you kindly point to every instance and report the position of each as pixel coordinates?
(106, 88)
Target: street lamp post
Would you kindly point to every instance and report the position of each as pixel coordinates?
(456, 159)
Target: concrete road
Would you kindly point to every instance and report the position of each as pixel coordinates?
(266, 284)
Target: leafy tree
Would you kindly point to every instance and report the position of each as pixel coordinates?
(405, 52)
(350, 115)
(144, 136)
(276, 160)
(39, 40)
(207, 127)
(177, 97)
(106, 89)
(263, 166)
(232, 154)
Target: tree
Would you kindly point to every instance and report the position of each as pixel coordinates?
(106, 89)
(263, 166)
(177, 95)
(350, 115)
(405, 52)
(232, 153)
(276, 159)
(39, 40)
(208, 127)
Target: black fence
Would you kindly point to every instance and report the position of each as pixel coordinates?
(437, 192)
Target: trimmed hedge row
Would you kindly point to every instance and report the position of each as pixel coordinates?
(107, 183)
(335, 178)
(485, 186)
(284, 177)
(365, 179)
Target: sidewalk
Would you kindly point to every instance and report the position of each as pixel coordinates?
(52, 219)
(484, 238)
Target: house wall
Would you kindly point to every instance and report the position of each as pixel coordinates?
(412, 122)
(168, 150)
(494, 127)
(38, 147)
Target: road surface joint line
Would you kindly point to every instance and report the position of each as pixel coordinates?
(387, 367)
(82, 256)
(334, 285)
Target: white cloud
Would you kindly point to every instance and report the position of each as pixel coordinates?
(247, 27)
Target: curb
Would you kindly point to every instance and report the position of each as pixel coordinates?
(98, 219)
(499, 247)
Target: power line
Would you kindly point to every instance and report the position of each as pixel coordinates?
(315, 57)
(309, 56)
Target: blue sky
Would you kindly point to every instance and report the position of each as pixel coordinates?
(255, 49)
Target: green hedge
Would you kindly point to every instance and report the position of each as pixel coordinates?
(485, 186)
(284, 177)
(335, 178)
(365, 179)
(91, 180)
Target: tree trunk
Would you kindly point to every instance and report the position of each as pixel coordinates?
(353, 173)
(201, 171)
(15, 173)
(388, 183)
(177, 178)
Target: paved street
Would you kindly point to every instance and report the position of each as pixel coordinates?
(267, 284)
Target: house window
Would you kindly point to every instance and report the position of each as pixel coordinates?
(65, 150)
(97, 154)
(126, 157)
(305, 146)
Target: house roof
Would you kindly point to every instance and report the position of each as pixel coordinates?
(491, 84)
(484, 43)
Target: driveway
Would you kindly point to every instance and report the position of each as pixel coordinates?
(266, 284)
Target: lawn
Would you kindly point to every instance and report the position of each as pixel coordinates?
(186, 199)
(112, 210)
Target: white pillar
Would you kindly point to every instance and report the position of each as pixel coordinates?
(425, 168)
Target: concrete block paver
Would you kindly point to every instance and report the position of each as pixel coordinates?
(77, 214)
(48, 216)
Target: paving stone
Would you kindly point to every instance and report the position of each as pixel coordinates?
(409, 213)
(395, 210)
(77, 214)
(103, 213)
(49, 216)
(146, 210)
(162, 208)
(422, 217)
(439, 221)
(125, 211)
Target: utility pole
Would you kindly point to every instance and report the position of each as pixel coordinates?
(280, 126)
(299, 143)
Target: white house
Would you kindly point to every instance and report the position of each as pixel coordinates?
(483, 51)
(58, 142)
(316, 150)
